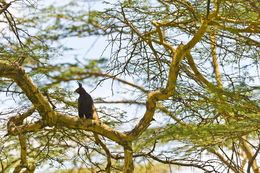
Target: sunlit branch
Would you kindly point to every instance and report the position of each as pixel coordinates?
(226, 162)
(44, 109)
(213, 48)
(108, 154)
(242, 22)
(196, 71)
(18, 74)
(15, 127)
(249, 154)
(15, 124)
(163, 94)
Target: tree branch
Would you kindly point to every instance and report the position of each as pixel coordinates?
(50, 117)
(108, 154)
(196, 71)
(165, 93)
(249, 154)
(213, 47)
(252, 160)
(90, 74)
(15, 72)
(6, 5)
(128, 153)
(166, 161)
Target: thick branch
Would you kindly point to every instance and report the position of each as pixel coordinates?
(91, 125)
(23, 150)
(32, 127)
(15, 127)
(18, 120)
(108, 154)
(199, 34)
(249, 154)
(16, 73)
(213, 47)
(154, 96)
(196, 71)
(163, 94)
(128, 165)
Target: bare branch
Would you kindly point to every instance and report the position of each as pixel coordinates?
(97, 74)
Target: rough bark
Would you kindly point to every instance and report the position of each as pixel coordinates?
(250, 155)
(128, 164)
(52, 118)
(213, 48)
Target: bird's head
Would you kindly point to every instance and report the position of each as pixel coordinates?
(80, 88)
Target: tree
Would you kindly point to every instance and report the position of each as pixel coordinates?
(188, 64)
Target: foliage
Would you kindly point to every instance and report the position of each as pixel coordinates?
(184, 83)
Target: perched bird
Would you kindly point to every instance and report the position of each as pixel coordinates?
(85, 103)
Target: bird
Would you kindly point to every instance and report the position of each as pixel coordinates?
(85, 103)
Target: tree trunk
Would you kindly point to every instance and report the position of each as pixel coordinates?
(128, 165)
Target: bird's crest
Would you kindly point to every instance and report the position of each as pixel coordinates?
(80, 85)
(80, 88)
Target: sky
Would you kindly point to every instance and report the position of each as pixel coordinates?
(81, 47)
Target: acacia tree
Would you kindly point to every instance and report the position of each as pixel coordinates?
(191, 65)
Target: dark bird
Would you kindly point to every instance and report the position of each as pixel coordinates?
(85, 103)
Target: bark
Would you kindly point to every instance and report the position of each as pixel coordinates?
(213, 47)
(14, 128)
(52, 118)
(23, 150)
(155, 96)
(108, 154)
(128, 165)
(42, 105)
(196, 71)
(250, 155)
